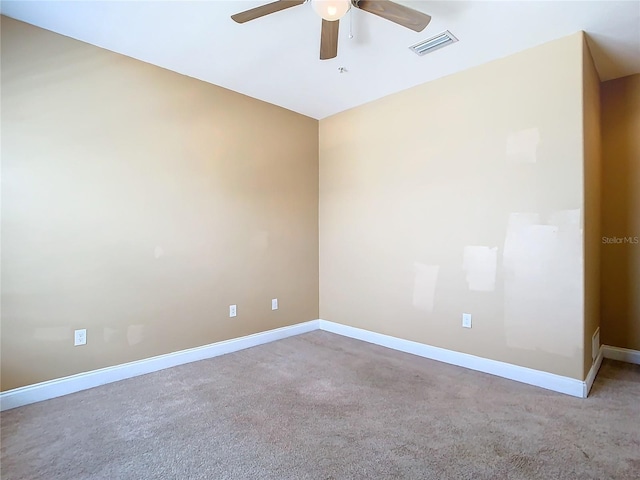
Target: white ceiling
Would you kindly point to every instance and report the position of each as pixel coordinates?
(275, 58)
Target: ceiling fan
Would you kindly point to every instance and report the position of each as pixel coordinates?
(332, 10)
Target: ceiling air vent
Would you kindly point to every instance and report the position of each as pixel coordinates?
(434, 43)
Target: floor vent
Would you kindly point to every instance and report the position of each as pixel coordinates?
(595, 344)
(434, 43)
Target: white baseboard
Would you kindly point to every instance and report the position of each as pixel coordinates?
(621, 354)
(591, 377)
(550, 381)
(82, 381)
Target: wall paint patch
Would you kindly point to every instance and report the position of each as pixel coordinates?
(158, 252)
(424, 286)
(516, 228)
(480, 263)
(135, 334)
(543, 276)
(522, 146)
(109, 334)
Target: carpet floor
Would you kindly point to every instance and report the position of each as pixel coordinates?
(322, 406)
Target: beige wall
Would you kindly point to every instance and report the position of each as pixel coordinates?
(140, 204)
(621, 212)
(592, 207)
(464, 194)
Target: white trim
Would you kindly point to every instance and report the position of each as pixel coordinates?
(591, 376)
(82, 381)
(550, 381)
(621, 354)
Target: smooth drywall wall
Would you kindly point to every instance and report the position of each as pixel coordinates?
(592, 204)
(621, 212)
(464, 194)
(139, 204)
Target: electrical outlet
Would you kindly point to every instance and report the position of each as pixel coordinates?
(80, 337)
(466, 320)
(274, 304)
(232, 310)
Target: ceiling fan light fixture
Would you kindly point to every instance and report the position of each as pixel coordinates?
(331, 10)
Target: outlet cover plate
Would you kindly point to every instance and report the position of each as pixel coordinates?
(80, 337)
(466, 320)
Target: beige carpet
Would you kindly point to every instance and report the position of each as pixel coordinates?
(321, 406)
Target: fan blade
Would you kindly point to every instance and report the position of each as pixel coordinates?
(265, 10)
(329, 39)
(405, 16)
